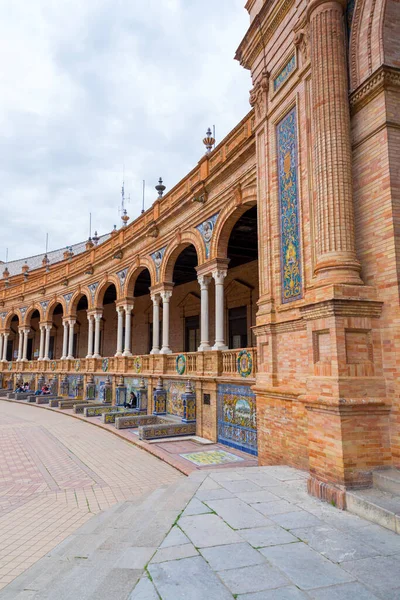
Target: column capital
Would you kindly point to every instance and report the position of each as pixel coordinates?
(314, 4)
(204, 281)
(128, 308)
(120, 309)
(219, 275)
(155, 298)
(166, 295)
(71, 322)
(24, 329)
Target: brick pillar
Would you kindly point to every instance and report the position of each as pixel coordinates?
(335, 245)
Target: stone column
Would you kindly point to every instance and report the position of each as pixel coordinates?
(97, 321)
(1, 345)
(71, 338)
(41, 342)
(65, 340)
(25, 344)
(165, 295)
(20, 342)
(219, 276)
(204, 282)
(5, 342)
(120, 330)
(336, 259)
(155, 298)
(47, 343)
(90, 336)
(128, 316)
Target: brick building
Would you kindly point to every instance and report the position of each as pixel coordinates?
(269, 275)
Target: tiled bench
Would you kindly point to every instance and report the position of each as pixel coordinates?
(133, 421)
(165, 430)
(44, 399)
(69, 403)
(96, 411)
(109, 417)
(79, 408)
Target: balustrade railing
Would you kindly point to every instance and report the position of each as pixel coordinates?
(240, 363)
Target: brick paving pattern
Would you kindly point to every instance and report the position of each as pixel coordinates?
(55, 474)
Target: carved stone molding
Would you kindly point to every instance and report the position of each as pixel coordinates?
(152, 231)
(383, 78)
(258, 96)
(342, 308)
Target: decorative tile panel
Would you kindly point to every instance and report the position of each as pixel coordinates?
(206, 230)
(237, 417)
(122, 276)
(157, 259)
(284, 73)
(67, 298)
(44, 305)
(175, 389)
(292, 288)
(92, 289)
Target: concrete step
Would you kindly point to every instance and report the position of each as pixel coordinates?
(387, 480)
(376, 506)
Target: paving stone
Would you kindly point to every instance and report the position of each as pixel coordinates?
(267, 536)
(218, 494)
(232, 556)
(175, 537)
(135, 558)
(117, 584)
(151, 531)
(257, 496)
(381, 574)
(174, 553)
(253, 579)
(284, 593)
(385, 541)
(209, 484)
(334, 544)
(195, 507)
(208, 530)
(262, 479)
(144, 590)
(241, 486)
(306, 568)
(222, 476)
(180, 580)
(296, 519)
(238, 514)
(346, 591)
(273, 508)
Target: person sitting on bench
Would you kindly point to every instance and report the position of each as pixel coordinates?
(45, 390)
(132, 401)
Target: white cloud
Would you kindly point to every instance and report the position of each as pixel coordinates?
(88, 86)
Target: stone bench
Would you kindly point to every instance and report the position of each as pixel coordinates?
(4, 393)
(44, 399)
(18, 395)
(122, 412)
(80, 407)
(165, 430)
(68, 403)
(134, 421)
(96, 411)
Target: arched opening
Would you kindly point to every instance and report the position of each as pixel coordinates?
(241, 284)
(108, 328)
(81, 328)
(34, 336)
(56, 335)
(142, 314)
(185, 303)
(13, 339)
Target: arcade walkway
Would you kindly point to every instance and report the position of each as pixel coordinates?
(55, 474)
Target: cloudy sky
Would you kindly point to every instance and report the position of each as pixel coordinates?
(90, 85)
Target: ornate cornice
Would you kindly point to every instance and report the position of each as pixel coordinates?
(342, 308)
(261, 31)
(382, 79)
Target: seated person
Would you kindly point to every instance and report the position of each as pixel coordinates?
(19, 389)
(45, 390)
(26, 387)
(132, 401)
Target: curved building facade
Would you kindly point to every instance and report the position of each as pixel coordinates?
(268, 276)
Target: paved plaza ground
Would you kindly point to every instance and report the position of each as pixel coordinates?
(250, 533)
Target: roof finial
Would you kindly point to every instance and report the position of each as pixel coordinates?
(209, 141)
(160, 188)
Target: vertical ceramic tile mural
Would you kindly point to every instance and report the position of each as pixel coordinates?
(289, 208)
(99, 385)
(175, 388)
(237, 425)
